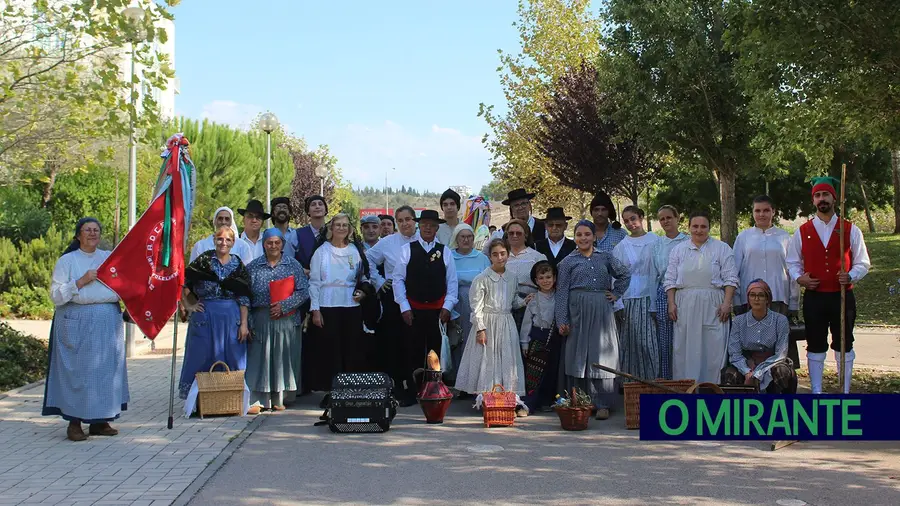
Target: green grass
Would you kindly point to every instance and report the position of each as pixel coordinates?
(865, 381)
(874, 303)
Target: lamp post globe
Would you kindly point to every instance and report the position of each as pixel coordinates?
(268, 123)
(321, 173)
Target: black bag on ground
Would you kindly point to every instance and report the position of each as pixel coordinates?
(361, 402)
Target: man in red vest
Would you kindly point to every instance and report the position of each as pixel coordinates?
(814, 260)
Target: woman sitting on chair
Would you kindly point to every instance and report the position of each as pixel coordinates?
(758, 346)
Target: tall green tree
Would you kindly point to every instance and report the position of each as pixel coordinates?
(671, 77)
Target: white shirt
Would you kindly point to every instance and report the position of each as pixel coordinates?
(715, 259)
(637, 254)
(399, 275)
(387, 252)
(72, 266)
(445, 233)
(332, 276)
(859, 255)
(520, 265)
(761, 254)
(556, 246)
(241, 249)
(256, 248)
(498, 234)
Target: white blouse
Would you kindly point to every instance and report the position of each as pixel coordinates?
(637, 253)
(761, 254)
(69, 268)
(332, 276)
(520, 266)
(714, 257)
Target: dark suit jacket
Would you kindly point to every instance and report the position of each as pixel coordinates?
(544, 247)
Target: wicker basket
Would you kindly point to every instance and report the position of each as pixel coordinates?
(633, 391)
(499, 407)
(220, 392)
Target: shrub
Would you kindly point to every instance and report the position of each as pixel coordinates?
(23, 359)
(21, 217)
(32, 303)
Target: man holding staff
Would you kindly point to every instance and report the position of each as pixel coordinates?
(816, 261)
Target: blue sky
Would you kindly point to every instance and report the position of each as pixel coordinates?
(384, 84)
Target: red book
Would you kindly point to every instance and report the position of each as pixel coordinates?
(280, 290)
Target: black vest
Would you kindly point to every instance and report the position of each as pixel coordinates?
(426, 274)
(544, 247)
(539, 232)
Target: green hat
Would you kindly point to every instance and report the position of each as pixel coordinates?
(826, 183)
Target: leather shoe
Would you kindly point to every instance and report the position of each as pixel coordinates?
(75, 433)
(602, 414)
(102, 429)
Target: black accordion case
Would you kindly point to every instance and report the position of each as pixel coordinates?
(361, 402)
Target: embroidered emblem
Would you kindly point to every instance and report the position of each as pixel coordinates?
(112, 271)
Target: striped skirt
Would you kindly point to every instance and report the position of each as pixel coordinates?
(638, 345)
(665, 329)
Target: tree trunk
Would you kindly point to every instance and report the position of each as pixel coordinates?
(649, 212)
(727, 177)
(895, 169)
(862, 187)
(47, 193)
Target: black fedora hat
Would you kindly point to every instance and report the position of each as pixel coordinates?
(429, 214)
(556, 213)
(255, 206)
(517, 194)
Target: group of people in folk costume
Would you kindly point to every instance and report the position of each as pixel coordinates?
(532, 310)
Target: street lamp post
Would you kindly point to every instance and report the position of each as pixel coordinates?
(387, 198)
(268, 123)
(136, 16)
(321, 173)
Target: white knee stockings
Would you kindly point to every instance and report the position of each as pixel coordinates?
(848, 367)
(816, 364)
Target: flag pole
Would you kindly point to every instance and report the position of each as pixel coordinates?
(842, 366)
(172, 375)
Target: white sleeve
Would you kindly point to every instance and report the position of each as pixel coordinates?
(524, 333)
(859, 255)
(195, 251)
(794, 258)
(452, 296)
(399, 277)
(738, 267)
(62, 288)
(315, 280)
(375, 255)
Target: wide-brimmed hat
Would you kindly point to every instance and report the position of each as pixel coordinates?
(429, 214)
(255, 206)
(556, 213)
(517, 194)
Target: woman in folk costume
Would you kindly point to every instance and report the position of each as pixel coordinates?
(700, 284)
(584, 313)
(278, 288)
(338, 283)
(223, 217)
(522, 257)
(668, 219)
(217, 294)
(758, 346)
(639, 348)
(87, 381)
(470, 262)
(492, 353)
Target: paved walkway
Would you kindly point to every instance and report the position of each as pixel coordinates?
(146, 464)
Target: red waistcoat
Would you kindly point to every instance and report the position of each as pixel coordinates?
(824, 262)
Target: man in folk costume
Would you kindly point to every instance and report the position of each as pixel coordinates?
(223, 217)
(425, 288)
(316, 208)
(814, 260)
(556, 246)
(519, 202)
(450, 205)
(370, 226)
(281, 219)
(254, 215)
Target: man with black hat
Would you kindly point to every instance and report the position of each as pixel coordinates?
(281, 219)
(425, 288)
(450, 204)
(316, 208)
(519, 202)
(556, 246)
(609, 231)
(387, 224)
(814, 260)
(254, 215)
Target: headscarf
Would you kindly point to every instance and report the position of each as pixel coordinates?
(759, 283)
(233, 225)
(76, 244)
(273, 232)
(459, 228)
(586, 223)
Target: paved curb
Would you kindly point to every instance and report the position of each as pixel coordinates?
(14, 391)
(187, 494)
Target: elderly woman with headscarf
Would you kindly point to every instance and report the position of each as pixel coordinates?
(758, 346)
(278, 288)
(217, 293)
(87, 381)
(585, 294)
(469, 263)
(223, 217)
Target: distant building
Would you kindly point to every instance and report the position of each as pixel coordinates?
(463, 190)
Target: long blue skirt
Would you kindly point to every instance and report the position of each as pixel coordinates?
(87, 380)
(665, 330)
(212, 336)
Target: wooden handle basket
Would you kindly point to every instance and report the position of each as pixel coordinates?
(220, 392)
(498, 407)
(574, 417)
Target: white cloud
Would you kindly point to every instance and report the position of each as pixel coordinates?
(229, 112)
(429, 158)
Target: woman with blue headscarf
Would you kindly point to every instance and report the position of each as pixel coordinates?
(87, 381)
(278, 288)
(584, 313)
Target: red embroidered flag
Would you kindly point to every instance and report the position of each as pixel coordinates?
(146, 269)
